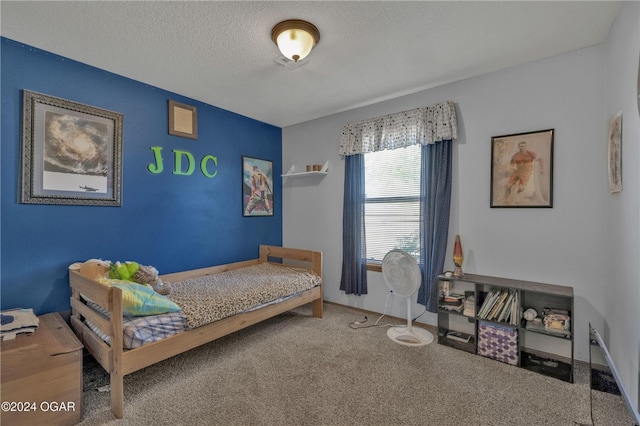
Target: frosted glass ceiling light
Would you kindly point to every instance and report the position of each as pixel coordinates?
(295, 38)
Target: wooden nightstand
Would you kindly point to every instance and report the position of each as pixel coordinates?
(41, 376)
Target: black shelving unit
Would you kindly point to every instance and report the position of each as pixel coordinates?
(529, 295)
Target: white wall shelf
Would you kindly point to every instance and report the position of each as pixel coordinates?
(292, 171)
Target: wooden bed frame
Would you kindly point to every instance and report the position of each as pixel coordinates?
(119, 362)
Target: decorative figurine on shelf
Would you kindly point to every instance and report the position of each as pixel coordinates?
(457, 257)
(530, 314)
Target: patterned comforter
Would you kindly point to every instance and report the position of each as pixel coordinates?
(214, 297)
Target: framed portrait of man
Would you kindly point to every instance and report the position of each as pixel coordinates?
(522, 169)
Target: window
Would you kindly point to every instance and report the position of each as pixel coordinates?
(392, 202)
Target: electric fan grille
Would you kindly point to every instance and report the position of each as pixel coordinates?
(402, 275)
(401, 272)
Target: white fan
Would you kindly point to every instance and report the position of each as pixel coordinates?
(402, 274)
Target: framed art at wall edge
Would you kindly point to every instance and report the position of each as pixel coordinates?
(71, 153)
(522, 169)
(614, 150)
(257, 187)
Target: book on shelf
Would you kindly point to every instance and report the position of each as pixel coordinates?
(488, 303)
(496, 306)
(547, 311)
(540, 327)
(458, 307)
(557, 320)
(469, 304)
(452, 302)
(501, 305)
(504, 310)
(446, 288)
(458, 336)
(507, 314)
(514, 318)
(454, 298)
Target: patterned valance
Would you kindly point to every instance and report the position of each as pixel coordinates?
(424, 125)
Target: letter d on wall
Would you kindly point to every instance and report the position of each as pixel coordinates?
(177, 170)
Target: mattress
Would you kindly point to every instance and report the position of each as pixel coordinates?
(214, 297)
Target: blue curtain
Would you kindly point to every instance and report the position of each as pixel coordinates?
(435, 197)
(354, 265)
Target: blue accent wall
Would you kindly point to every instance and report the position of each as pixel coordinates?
(173, 222)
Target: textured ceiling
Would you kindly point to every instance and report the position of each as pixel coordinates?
(221, 53)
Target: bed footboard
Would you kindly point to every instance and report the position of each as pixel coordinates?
(110, 356)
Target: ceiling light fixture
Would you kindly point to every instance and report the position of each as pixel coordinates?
(295, 38)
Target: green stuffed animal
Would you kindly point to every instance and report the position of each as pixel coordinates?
(123, 271)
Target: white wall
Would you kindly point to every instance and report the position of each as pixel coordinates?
(621, 329)
(563, 245)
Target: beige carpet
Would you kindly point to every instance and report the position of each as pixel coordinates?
(298, 370)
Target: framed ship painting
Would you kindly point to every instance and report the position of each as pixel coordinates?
(71, 153)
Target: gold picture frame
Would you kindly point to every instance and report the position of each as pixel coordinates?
(183, 120)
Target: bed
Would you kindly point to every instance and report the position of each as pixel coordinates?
(102, 307)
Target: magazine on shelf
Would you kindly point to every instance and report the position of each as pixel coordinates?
(488, 303)
(458, 336)
(469, 304)
(454, 298)
(501, 305)
(539, 327)
(458, 307)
